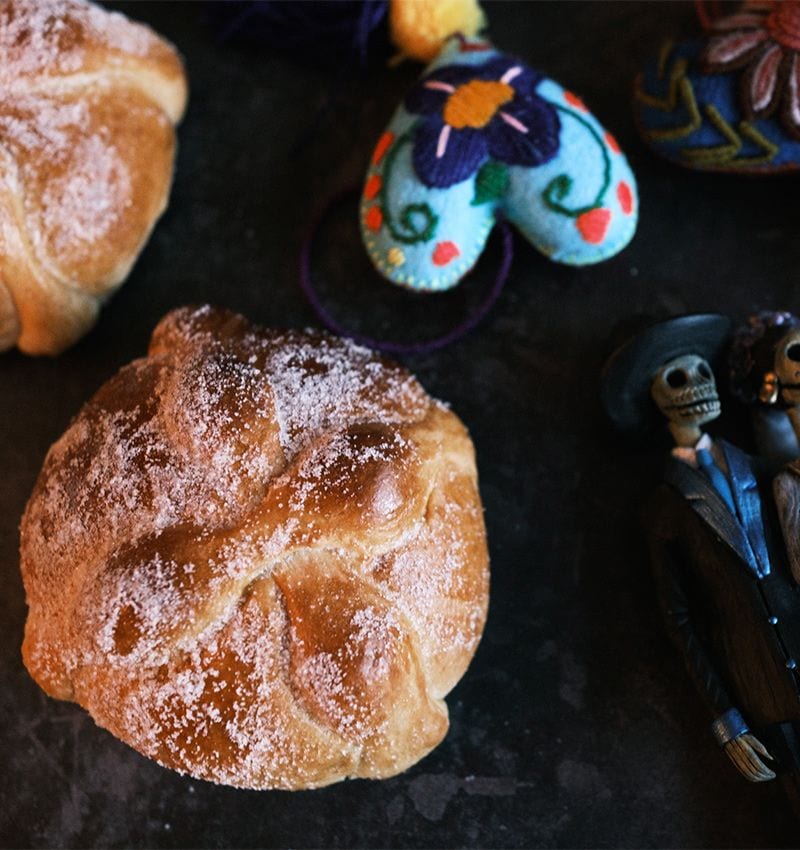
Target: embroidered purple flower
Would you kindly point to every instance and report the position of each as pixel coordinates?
(479, 112)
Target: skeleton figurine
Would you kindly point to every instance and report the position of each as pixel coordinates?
(684, 391)
(724, 587)
(765, 373)
(760, 348)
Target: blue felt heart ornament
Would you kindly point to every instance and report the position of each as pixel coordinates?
(481, 135)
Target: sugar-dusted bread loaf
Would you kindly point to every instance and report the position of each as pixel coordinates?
(88, 103)
(258, 557)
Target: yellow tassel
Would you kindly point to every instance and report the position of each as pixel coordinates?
(420, 27)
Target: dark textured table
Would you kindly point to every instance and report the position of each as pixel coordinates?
(575, 725)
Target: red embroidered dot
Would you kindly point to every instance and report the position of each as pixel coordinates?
(594, 224)
(373, 186)
(625, 197)
(444, 253)
(574, 100)
(612, 142)
(384, 143)
(374, 218)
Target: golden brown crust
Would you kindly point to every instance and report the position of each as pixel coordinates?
(88, 103)
(258, 557)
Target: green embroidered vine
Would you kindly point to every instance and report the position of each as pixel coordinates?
(680, 93)
(728, 154)
(406, 229)
(559, 187)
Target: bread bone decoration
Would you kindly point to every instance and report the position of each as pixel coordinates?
(258, 557)
(88, 105)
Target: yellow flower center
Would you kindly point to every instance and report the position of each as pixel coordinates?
(475, 103)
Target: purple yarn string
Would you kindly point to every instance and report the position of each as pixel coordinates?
(456, 333)
(236, 23)
(305, 26)
(371, 16)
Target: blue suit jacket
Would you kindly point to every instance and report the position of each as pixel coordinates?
(743, 532)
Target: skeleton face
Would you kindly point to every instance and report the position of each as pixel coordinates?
(685, 391)
(787, 367)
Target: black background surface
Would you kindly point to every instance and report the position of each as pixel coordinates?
(575, 725)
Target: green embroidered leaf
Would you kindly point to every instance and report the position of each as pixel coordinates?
(491, 183)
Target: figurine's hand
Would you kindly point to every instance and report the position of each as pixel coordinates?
(745, 752)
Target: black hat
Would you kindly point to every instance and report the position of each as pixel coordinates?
(628, 373)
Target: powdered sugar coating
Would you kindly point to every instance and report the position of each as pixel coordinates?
(309, 401)
(88, 103)
(85, 203)
(50, 37)
(258, 557)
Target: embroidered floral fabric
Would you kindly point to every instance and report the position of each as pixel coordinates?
(482, 134)
(730, 102)
(473, 114)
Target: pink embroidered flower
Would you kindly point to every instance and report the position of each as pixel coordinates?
(764, 39)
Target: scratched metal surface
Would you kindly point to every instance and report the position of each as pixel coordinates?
(575, 726)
